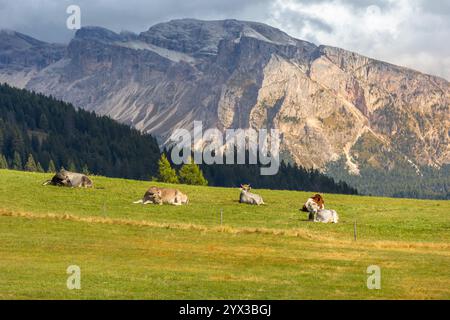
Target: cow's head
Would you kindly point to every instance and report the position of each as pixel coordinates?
(61, 179)
(86, 182)
(155, 191)
(319, 200)
(246, 187)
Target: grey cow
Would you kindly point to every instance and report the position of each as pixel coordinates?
(248, 197)
(70, 179)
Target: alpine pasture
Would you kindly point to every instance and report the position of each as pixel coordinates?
(132, 251)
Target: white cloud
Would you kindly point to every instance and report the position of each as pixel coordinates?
(401, 32)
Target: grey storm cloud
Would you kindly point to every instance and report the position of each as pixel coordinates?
(412, 33)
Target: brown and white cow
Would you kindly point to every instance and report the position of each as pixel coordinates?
(313, 205)
(317, 212)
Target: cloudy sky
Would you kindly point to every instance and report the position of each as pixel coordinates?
(412, 33)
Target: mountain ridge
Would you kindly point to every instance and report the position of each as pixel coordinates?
(327, 102)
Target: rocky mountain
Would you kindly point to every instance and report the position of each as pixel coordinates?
(22, 57)
(330, 104)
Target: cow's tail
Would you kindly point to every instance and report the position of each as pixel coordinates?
(139, 201)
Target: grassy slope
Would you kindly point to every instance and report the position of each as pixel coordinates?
(134, 251)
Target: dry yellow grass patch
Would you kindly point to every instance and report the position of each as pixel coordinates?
(318, 240)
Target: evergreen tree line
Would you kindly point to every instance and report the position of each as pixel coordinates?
(39, 133)
(399, 182)
(289, 177)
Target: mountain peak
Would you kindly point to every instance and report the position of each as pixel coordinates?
(10, 39)
(97, 33)
(203, 37)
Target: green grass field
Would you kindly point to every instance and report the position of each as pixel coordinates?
(133, 251)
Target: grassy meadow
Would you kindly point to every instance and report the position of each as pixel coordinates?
(132, 251)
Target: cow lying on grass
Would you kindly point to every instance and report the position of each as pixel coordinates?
(315, 206)
(248, 197)
(70, 179)
(156, 195)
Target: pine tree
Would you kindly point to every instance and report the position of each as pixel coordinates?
(2, 139)
(43, 122)
(39, 168)
(72, 167)
(17, 161)
(3, 162)
(17, 142)
(190, 173)
(31, 164)
(51, 167)
(165, 172)
(85, 170)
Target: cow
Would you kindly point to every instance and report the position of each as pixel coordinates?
(156, 195)
(70, 179)
(248, 197)
(317, 212)
(313, 205)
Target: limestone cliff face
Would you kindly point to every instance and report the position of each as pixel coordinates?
(327, 102)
